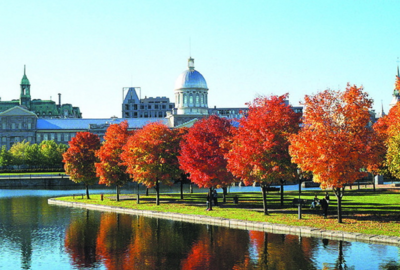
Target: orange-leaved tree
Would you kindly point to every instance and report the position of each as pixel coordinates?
(151, 156)
(110, 168)
(202, 153)
(333, 141)
(80, 158)
(259, 151)
(389, 129)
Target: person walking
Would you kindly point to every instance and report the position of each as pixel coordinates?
(324, 206)
(215, 197)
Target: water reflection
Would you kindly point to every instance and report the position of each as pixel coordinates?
(34, 234)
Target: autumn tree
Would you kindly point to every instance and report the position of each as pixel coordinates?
(80, 158)
(151, 158)
(110, 168)
(260, 145)
(202, 153)
(333, 141)
(389, 128)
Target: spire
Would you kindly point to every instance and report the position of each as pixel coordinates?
(25, 80)
(191, 64)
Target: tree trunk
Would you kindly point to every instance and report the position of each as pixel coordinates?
(224, 193)
(138, 196)
(157, 192)
(282, 192)
(264, 195)
(117, 190)
(87, 191)
(181, 189)
(210, 198)
(339, 192)
(147, 192)
(191, 188)
(373, 182)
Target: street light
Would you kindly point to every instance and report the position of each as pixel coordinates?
(299, 173)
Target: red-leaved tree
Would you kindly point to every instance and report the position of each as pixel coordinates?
(110, 168)
(333, 141)
(80, 158)
(202, 153)
(151, 157)
(259, 150)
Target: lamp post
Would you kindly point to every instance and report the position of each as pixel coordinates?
(299, 205)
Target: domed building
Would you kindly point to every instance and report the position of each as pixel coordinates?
(191, 92)
(191, 97)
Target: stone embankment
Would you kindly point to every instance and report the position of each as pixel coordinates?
(242, 224)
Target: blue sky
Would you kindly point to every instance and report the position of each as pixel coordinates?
(88, 50)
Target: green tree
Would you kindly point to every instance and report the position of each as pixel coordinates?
(51, 153)
(5, 157)
(18, 152)
(33, 156)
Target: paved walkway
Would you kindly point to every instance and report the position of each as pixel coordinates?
(241, 224)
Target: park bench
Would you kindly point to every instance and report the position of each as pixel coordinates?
(77, 195)
(296, 202)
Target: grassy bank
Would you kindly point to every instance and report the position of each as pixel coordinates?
(363, 211)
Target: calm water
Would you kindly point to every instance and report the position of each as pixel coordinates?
(35, 235)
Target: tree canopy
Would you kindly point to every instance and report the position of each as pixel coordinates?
(110, 168)
(333, 141)
(80, 158)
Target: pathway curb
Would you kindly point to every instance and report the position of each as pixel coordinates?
(242, 224)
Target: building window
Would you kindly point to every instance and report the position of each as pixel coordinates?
(45, 137)
(4, 139)
(190, 99)
(12, 125)
(58, 137)
(197, 100)
(135, 115)
(66, 137)
(37, 138)
(19, 125)
(29, 139)
(29, 126)
(4, 125)
(52, 136)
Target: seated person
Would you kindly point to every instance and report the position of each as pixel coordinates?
(315, 202)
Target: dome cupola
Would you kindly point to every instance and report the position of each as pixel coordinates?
(191, 92)
(190, 78)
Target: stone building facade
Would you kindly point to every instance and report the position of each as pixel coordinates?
(152, 107)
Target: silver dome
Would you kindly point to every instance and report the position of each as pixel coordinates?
(190, 79)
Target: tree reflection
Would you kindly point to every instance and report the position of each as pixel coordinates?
(80, 240)
(217, 248)
(274, 251)
(113, 239)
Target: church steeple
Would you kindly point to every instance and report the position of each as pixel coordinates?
(25, 96)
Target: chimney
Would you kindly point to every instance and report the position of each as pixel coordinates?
(59, 99)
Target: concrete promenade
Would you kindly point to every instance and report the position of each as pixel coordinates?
(242, 224)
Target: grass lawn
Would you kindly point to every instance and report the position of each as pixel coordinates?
(363, 211)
